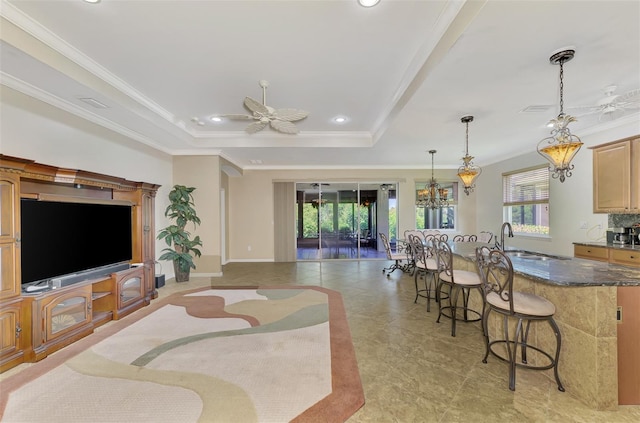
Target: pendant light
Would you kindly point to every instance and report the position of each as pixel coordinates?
(433, 196)
(468, 172)
(561, 147)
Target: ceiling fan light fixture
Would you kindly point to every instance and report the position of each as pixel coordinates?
(262, 115)
(562, 146)
(468, 172)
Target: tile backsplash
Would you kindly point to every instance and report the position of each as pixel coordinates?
(623, 220)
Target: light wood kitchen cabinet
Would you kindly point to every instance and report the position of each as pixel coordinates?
(629, 345)
(616, 177)
(624, 257)
(591, 253)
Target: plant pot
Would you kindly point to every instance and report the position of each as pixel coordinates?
(181, 276)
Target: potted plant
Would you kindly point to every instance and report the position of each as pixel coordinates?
(181, 210)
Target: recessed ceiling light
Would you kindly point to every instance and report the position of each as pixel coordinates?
(216, 118)
(92, 1)
(368, 3)
(340, 119)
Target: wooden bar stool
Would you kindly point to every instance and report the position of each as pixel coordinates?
(496, 272)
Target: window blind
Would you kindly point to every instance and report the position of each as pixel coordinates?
(526, 187)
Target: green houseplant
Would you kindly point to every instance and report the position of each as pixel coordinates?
(181, 210)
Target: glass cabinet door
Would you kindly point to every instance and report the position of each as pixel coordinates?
(66, 312)
(130, 290)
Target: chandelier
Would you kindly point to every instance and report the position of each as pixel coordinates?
(468, 172)
(432, 196)
(560, 148)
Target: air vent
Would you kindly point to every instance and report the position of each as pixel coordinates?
(536, 109)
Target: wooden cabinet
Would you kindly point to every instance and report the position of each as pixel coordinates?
(629, 345)
(34, 325)
(592, 253)
(130, 291)
(12, 334)
(616, 177)
(612, 255)
(9, 235)
(624, 257)
(11, 322)
(143, 198)
(59, 318)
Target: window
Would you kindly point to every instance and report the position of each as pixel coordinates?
(526, 200)
(439, 218)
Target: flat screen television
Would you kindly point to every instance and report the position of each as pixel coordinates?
(65, 238)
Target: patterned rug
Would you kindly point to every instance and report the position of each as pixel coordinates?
(275, 354)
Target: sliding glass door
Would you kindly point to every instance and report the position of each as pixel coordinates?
(341, 220)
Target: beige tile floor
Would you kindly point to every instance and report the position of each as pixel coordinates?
(412, 370)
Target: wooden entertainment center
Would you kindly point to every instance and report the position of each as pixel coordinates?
(36, 324)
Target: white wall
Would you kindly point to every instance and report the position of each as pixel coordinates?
(571, 202)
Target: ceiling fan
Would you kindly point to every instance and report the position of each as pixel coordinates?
(279, 119)
(611, 106)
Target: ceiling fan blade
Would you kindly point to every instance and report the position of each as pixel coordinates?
(255, 106)
(290, 115)
(284, 126)
(581, 111)
(631, 96)
(237, 117)
(255, 127)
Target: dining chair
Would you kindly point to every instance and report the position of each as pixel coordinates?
(496, 272)
(465, 238)
(457, 281)
(485, 236)
(398, 257)
(426, 268)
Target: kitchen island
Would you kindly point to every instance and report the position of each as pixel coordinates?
(585, 295)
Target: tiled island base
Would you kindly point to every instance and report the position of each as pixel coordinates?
(586, 317)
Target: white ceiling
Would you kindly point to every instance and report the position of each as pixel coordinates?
(402, 72)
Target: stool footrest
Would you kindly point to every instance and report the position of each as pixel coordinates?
(525, 365)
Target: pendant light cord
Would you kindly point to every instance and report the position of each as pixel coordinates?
(561, 87)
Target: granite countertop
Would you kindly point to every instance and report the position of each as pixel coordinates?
(610, 245)
(565, 271)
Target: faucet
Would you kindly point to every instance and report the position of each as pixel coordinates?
(500, 245)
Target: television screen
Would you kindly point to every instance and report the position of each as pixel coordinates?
(59, 238)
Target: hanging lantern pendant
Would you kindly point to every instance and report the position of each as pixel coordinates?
(562, 146)
(468, 172)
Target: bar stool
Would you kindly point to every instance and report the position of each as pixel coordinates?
(458, 281)
(425, 267)
(496, 272)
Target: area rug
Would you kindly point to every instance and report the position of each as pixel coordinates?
(274, 354)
